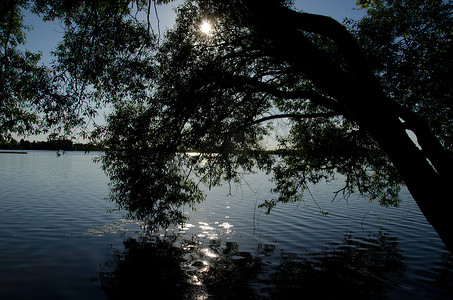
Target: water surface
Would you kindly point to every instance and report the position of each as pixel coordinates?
(58, 240)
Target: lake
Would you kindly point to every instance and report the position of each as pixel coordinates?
(60, 239)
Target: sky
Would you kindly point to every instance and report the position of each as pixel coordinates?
(337, 9)
(45, 35)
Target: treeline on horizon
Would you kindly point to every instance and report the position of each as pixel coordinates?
(66, 145)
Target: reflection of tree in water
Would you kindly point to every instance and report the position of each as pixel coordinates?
(179, 270)
(146, 266)
(171, 268)
(225, 272)
(441, 276)
(357, 268)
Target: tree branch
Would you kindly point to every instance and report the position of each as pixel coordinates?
(292, 116)
(285, 29)
(318, 24)
(273, 90)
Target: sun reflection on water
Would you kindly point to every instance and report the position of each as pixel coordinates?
(205, 226)
(209, 253)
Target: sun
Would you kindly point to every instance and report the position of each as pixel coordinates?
(206, 27)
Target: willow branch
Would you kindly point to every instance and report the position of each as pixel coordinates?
(273, 90)
(292, 116)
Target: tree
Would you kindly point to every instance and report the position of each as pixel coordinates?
(408, 45)
(19, 74)
(216, 93)
(104, 44)
(262, 62)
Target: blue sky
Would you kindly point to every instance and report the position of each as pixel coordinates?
(337, 9)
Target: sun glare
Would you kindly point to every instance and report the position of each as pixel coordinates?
(206, 27)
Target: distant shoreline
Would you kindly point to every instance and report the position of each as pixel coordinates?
(13, 152)
(64, 145)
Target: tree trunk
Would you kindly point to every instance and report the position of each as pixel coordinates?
(428, 188)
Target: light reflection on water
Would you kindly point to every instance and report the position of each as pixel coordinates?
(55, 233)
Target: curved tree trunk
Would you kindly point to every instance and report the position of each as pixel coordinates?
(428, 188)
